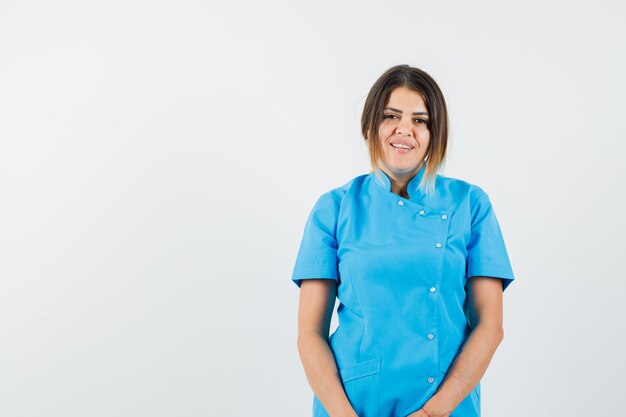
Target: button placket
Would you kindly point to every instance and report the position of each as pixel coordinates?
(439, 236)
(440, 240)
(442, 216)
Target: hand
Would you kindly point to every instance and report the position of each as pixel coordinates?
(422, 412)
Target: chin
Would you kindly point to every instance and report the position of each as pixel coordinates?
(405, 166)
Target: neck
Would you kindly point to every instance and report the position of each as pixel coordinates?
(400, 182)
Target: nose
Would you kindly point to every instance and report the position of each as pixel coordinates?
(404, 128)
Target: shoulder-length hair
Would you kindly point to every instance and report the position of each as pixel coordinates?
(417, 80)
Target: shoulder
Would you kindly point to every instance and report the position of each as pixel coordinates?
(336, 195)
(460, 190)
(332, 205)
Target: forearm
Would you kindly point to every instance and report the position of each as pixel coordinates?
(322, 374)
(467, 369)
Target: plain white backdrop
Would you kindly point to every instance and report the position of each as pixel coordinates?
(158, 161)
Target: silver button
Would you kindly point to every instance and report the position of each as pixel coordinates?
(422, 212)
(433, 289)
(438, 244)
(401, 202)
(431, 336)
(443, 216)
(431, 380)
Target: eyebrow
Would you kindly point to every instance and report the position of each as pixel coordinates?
(400, 111)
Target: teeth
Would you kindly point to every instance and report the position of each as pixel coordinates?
(399, 145)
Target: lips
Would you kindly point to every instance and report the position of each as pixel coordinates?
(401, 143)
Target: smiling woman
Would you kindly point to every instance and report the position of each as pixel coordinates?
(406, 106)
(403, 134)
(418, 263)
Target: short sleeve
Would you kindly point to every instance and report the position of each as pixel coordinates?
(486, 252)
(317, 256)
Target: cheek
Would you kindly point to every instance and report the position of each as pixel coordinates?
(423, 138)
(384, 131)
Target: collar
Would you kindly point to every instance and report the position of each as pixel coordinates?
(411, 188)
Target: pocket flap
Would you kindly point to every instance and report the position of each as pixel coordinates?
(360, 369)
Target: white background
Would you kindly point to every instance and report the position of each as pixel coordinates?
(158, 161)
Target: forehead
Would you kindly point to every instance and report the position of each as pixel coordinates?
(406, 98)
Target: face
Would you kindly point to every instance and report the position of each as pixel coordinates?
(405, 123)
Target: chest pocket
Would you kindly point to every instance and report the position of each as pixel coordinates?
(361, 383)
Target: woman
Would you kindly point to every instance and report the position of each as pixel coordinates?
(418, 263)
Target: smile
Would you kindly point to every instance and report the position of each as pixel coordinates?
(401, 148)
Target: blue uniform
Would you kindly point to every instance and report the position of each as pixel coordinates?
(401, 267)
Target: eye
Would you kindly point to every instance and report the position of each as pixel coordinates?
(421, 121)
(389, 116)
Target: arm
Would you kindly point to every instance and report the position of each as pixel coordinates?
(317, 299)
(485, 310)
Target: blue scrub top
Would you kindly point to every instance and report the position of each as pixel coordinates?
(401, 267)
